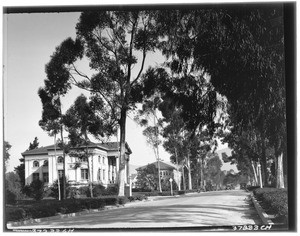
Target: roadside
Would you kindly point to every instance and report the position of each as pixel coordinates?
(207, 209)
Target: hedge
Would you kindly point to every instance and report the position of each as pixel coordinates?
(274, 201)
(51, 208)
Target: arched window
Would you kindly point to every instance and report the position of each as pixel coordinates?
(45, 163)
(60, 160)
(36, 164)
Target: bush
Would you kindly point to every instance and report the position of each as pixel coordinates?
(252, 188)
(122, 200)
(274, 201)
(35, 190)
(141, 190)
(111, 190)
(54, 189)
(54, 207)
(98, 190)
(84, 190)
(73, 192)
(11, 198)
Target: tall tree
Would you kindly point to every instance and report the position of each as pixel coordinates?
(34, 144)
(241, 48)
(112, 41)
(214, 172)
(52, 115)
(148, 118)
(6, 155)
(82, 119)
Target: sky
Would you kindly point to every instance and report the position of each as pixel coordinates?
(29, 41)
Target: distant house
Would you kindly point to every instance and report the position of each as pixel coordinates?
(167, 171)
(102, 165)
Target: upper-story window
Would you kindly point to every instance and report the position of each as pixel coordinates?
(60, 160)
(45, 163)
(103, 160)
(36, 164)
(83, 159)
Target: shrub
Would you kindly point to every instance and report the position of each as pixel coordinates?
(14, 214)
(84, 190)
(73, 192)
(35, 190)
(181, 192)
(252, 188)
(54, 189)
(112, 189)
(11, 198)
(98, 190)
(274, 201)
(122, 200)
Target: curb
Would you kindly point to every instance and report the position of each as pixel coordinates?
(59, 216)
(262, 214)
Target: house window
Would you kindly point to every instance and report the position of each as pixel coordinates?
(45, 163)
(46, 177)
(60, 173)
(103, 160)
(35, 176)
(84, 159)
(103, 174)
(99, 159)
(99, 175)
(36, 164)
(84, 174)
(60, 160)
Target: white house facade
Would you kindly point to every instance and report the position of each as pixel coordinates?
(101, 166)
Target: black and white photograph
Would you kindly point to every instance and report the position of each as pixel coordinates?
(149, 117)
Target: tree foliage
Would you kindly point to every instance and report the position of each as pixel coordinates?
(147, 178)
(112, 42)
(7, 147)
(242, 49)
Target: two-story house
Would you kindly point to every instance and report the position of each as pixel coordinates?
(101, 165)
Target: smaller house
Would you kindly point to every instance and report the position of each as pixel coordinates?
(167, 171)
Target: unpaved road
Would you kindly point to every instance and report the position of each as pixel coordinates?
(221, 208)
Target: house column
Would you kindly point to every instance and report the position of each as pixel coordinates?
(50, 169)
(27, 172)
(127, 170)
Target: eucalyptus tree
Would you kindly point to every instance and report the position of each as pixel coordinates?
(112, 41)
(242, 48)
(51, 121)
(6, 146)
(82, 119)
(148, 117)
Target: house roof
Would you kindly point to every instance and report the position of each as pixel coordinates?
(110, 146)
(162, 166)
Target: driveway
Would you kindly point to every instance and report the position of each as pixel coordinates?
(210, 209)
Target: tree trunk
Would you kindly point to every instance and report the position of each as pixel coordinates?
(58, 182)
(64, 164)
(279, 171)
(189, 172)
(264, 163)
(159, 179)
(89, 168)
(255, 175)
(201, 173)
(178, 179)
(183, 178)
(122, 152)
